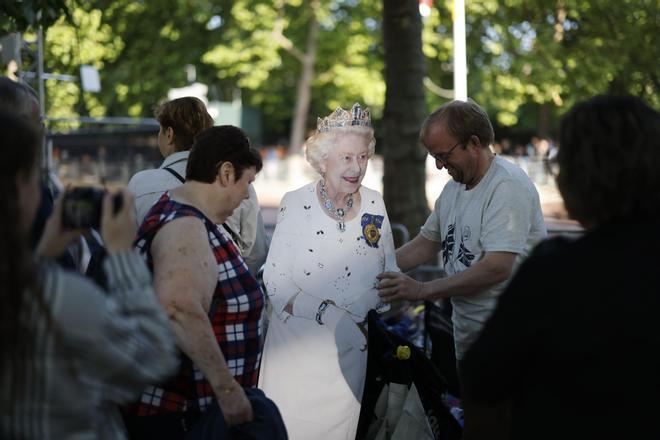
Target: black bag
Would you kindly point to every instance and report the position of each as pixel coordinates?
(439, 332)
(383, 367)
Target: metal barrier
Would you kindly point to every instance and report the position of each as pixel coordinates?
(401, 229)
(565, 232)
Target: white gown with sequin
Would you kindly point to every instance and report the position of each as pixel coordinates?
(316, 384)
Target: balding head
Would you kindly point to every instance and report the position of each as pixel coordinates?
(462, 119)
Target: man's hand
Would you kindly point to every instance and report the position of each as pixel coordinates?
(235, 405)
(393, 286)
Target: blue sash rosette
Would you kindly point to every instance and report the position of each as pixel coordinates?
(371, 225)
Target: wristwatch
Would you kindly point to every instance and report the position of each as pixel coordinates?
(322, 307)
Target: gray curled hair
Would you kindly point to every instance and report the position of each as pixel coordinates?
(319, 145)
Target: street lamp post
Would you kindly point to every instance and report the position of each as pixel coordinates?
(460, 57)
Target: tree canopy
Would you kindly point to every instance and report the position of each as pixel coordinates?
(524, 56)
(294, 60)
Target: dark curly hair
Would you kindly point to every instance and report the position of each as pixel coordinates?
(609, 160)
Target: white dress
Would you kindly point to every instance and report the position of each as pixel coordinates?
(316, 384)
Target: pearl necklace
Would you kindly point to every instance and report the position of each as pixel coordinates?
(330, 207)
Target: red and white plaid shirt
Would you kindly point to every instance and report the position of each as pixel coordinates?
(236, 313)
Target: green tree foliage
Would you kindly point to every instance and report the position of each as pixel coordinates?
(558, 52)
(523, 55)
(240, 49)
(155, 39)
(259, 56)
(528, 60)
(140, 49)
(82, 39)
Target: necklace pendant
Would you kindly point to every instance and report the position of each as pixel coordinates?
(340, 212)
(341, 226)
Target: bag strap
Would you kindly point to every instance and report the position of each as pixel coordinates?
(234, 235)
(175, 174)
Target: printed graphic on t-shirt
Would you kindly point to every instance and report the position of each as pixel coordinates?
(465, 256)
(448, 245)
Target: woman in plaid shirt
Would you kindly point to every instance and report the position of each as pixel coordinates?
(214, 303)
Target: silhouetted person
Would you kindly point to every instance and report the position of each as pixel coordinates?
(572, 348)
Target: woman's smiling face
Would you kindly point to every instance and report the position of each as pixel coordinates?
(346, 164)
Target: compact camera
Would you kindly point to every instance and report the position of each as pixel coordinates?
(83, 205)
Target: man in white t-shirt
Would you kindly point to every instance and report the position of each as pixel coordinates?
(180, 120)
(484, 223)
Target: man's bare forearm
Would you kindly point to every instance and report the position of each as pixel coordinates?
(416, 252)
(484, 274)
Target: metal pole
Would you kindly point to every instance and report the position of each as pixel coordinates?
(40, 70)
(47, 147)
(460, 57)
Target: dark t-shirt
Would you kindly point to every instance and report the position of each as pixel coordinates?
(575, 339)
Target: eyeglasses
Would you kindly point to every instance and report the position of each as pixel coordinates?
(444, 157)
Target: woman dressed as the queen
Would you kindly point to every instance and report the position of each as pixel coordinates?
(331, 240)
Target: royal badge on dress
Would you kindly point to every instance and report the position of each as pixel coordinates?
(371, 225)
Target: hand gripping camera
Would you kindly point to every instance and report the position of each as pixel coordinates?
(83, 205)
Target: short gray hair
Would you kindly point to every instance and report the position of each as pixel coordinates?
(319, 145)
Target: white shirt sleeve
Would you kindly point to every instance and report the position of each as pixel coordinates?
(388, 245)
(278, 272)
(278, 279)
(247, 222)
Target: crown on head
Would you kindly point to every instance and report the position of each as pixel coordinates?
(342, 118)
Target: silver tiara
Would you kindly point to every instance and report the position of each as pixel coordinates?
(341, 118)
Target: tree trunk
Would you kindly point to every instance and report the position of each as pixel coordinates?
(544, 120)
(405, 109)
(304, 93)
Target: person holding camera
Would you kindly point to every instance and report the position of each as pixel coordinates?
(213, 301)
(69, 352)
(86, 253)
